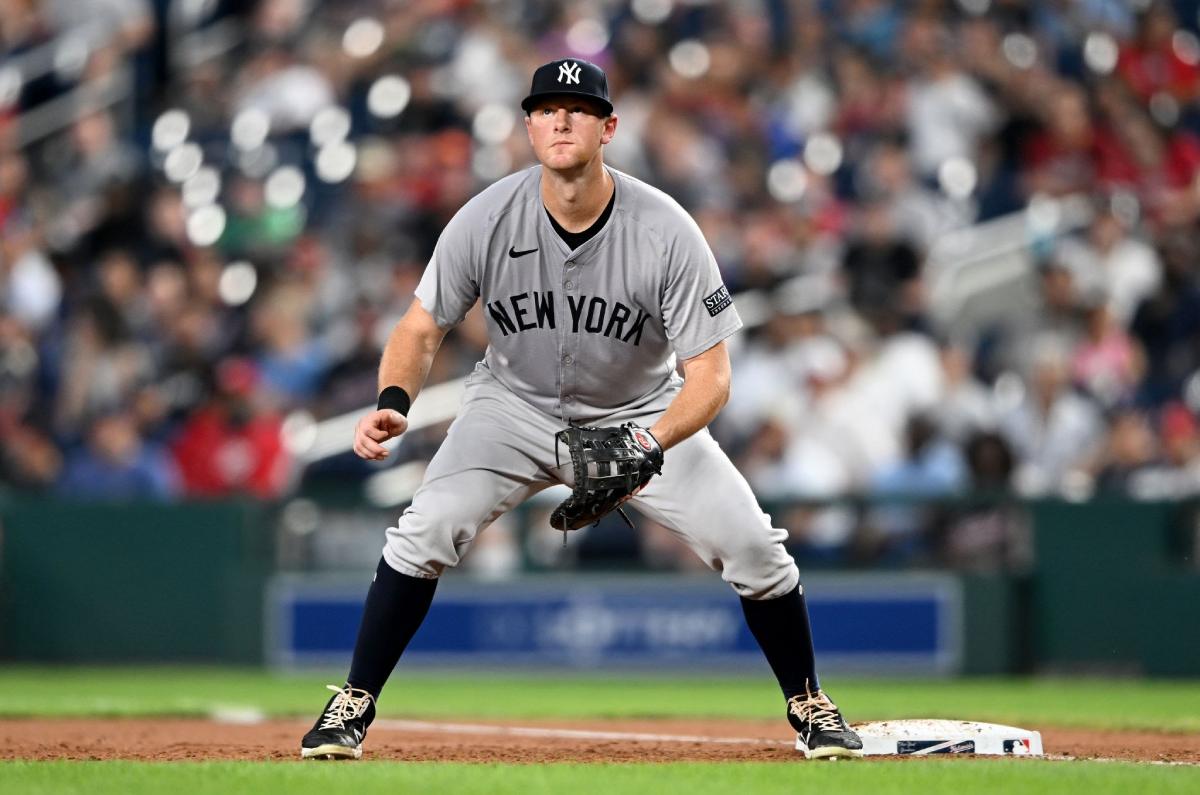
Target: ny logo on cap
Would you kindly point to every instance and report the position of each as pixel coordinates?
(568, 73)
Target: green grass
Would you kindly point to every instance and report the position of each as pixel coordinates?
(1165, 705)
(27, 691)
(930, 777)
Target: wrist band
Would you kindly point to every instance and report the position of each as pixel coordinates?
(395, 398)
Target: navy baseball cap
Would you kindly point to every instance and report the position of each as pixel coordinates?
(569, 76)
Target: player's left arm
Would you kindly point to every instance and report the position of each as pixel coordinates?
(705, 391)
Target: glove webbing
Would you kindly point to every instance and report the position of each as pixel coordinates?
(616, 454)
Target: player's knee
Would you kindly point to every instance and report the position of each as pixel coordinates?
(766, 585)
(423, 548)
(758, 569)
(403, 560)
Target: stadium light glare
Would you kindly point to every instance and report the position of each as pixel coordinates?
(250, 129)
(71, 56)
(787, 180)
(1020, 50)
(1100, 53)
(493, 123)
(1008, 391)
(957, 177)
(183, 161)
(336, 162)
(389, 96)
(301, 516)
(1186, 47)
(170, 130)
(690, 59)
(206, 224)
(1164, 109)
(201, 188)
(285, 187)
(823, 153)
(299, 432)
(588, 36)
(237, 283)
(363, 37)
(652, 12)
(330, 125)
(1043, 214)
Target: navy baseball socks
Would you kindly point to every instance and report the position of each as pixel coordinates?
(397, 604)
(395, 607)
(782, 629)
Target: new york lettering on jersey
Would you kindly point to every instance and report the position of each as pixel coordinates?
(590, 314)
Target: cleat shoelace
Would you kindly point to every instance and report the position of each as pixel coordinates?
(818, 711)
(345, 706)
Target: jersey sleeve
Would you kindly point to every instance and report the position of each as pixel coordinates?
(450, 284)
(698, 311)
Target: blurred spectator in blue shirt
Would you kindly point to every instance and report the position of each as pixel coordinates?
(116, 463)
(932, 467)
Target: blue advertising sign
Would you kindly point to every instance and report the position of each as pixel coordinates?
(869, 623)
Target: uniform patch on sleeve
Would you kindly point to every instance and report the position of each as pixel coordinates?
(718, 301)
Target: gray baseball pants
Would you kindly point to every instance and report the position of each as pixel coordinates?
(499, 451)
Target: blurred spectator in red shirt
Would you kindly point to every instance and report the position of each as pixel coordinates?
(1154, 62)
(871, 101)
(14, 179)
(1063, 156)
(1151, 158)
(232, 445)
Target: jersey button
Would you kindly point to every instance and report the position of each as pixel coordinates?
(567, 359)
(570, 285)
(568, 398)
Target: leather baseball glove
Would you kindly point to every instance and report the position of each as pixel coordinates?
(610, 465)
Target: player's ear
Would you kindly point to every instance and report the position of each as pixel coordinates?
(610, 129)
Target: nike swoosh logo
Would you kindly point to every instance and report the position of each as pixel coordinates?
(512, 252)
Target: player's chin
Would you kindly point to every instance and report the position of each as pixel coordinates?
(562, 158)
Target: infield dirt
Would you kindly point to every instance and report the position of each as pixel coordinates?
(195, 740)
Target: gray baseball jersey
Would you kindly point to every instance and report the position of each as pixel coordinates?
(583, 333)
(587, 335)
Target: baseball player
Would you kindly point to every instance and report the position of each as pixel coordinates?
(595, 286)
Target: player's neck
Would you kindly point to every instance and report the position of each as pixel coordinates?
(576, 199)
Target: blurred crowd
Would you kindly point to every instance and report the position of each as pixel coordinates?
(228, 242)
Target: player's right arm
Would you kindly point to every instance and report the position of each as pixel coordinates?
(406, 360)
